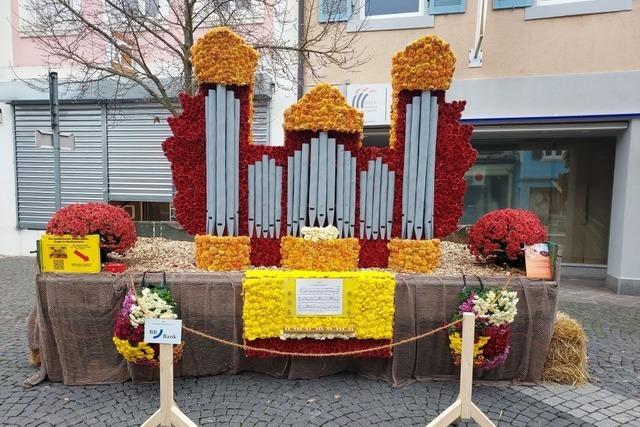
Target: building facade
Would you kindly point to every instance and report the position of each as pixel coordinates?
(553, 93)
(117, 157)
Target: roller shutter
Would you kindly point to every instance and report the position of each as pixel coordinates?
(81, 170)
(261, 120)
(138, 169)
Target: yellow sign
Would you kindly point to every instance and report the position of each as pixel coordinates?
(310, 297)
(68, 254)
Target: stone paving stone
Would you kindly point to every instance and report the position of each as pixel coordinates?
(253, 399)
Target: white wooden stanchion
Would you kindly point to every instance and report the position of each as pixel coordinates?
(169, 414)
(463, 408)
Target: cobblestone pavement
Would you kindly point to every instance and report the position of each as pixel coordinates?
(612, 323)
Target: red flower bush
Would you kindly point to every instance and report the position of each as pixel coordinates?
(115, 227)
(499, 235)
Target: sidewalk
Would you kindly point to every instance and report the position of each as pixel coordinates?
(612, 323)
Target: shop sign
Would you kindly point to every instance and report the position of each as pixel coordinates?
(163, 331)
(374, 100)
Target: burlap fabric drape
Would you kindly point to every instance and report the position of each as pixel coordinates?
(72, 326)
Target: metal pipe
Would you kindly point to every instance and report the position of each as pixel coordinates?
(340, 188)
(290, 195)
(405, 171)
(346, 197)
(331, 180)
(322, 178)
(230, 166)
(390, 195)
(423, 151)
(278, 200)
(431, 168)
(369, 211)
(304, 184)
(252, 198)
(413, 165)
(221, 182)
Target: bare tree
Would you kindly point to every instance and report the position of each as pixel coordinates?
(146, 43)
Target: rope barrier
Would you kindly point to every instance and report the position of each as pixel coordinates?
(335, 354)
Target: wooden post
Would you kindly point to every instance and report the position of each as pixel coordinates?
(169, 413)
(463, 408)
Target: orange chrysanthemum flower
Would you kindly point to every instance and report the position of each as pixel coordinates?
(221, 56)
(414, 256)
(323, 255)
(225, 253)
(323, 108)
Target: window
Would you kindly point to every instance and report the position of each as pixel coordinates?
(556, 180)
(221, 12)
(151, 9)
(373, 15)
(384, 7)
(555, 8)
(35, 15)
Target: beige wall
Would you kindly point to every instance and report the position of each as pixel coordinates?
(513, 47)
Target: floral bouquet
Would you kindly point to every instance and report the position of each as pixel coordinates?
(153, 302)
(495, 310)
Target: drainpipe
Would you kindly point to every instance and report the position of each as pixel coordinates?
(301, 30)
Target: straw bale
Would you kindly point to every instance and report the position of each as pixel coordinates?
(567, 358)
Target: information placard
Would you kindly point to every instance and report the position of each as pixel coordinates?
(319, 297)
(163, 331)
(68, 254)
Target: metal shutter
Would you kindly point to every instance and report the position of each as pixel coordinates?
(138, 169)
(261, 119)
(81, 171)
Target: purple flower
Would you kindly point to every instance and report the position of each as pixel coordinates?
(467, 305)
(496, 361)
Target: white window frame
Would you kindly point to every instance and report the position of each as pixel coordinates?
(395, 21)
(541, 9)
(27, 31)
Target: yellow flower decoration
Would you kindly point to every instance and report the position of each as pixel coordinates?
(223, 253)
(323, 108)
(414, 256)
(322, 255)
(133, 353)
(370, 301)
(455, 344)
(425, 64)
(221, 56)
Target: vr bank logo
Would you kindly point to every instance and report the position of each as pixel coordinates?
(365, 99)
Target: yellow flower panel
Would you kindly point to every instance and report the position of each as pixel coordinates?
(322, 255)
(221, 56)
(323, 108)
(223, 253)
(265, 311)
(414, 256)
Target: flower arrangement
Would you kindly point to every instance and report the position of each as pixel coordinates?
(323, 108)
(266, 316)
(128, 330)
(495, 311)
(321, 255)
(414, 256)
(427, 63)
(222, 253)
(498, 236)
(115, 227)
(222, 56)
